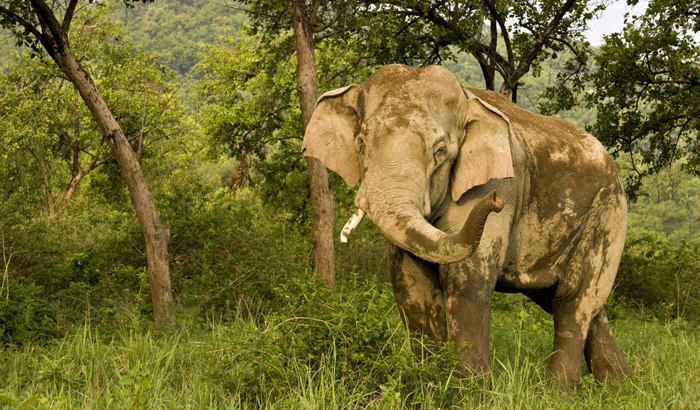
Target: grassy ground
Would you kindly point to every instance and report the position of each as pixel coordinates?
(209, 366)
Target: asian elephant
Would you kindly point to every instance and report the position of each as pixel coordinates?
(430, 154)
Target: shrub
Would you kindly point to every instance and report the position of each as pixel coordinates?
(25, 315)
(660, 276)
(353, 334)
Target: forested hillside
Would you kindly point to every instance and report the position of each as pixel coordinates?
(209, 104)
(177, 30)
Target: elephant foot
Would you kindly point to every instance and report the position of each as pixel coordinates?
(474, 362)
(603, 357)
(563, 373)
(564, 369)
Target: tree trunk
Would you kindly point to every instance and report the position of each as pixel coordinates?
(72, 187)
(510, 92)
(489, 76)
(156, 235)
(45, 176)
(488, 69)
(321, 194)
(77, 173)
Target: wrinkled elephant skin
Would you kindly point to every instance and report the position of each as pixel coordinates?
(430, 154)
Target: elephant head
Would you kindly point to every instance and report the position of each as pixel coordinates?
(413, 135)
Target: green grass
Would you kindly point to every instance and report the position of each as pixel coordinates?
(210, 366)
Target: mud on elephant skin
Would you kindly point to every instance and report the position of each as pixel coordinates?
(430, 155)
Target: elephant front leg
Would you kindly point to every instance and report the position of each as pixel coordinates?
(468, 302)
(418, 294)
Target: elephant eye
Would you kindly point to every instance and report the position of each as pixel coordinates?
(439, 154)
(361, 146)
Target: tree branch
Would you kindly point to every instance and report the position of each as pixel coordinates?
(68, 17)
(504, 30)
(539, 43)
(54, 38)
(24, 23)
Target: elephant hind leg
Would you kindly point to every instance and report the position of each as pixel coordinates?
(580, 323)
(603, 356)
(569, 336)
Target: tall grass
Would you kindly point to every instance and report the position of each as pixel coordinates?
(199, 367)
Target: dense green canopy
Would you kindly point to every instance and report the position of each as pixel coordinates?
(647, 88)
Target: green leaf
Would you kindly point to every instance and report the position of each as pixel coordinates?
(127, 380)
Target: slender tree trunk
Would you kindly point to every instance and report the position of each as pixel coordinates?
(45, 176)
(72, 186)
(490, 71)
(321, 194)
(76, 171)
(156, 235)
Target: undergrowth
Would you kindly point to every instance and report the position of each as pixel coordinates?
(324, 361)
(257, 330)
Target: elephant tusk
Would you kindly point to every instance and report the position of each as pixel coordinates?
(351, 224)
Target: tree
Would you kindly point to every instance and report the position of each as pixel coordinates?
(647, 89)
(35, 24)
(321, 193)
(274, 17)
(48, 128)
(248, 97)
(507, 37)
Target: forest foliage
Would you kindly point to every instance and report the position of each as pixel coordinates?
(213, 114)
(226, 119)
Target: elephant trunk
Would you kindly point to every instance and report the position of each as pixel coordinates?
(406, 227)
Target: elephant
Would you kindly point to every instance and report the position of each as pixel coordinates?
(479, 196)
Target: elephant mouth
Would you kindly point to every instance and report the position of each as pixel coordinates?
(352, 223)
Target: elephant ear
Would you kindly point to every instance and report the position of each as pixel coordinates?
(485, 152)
(330, 135)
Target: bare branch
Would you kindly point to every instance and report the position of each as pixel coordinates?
(504, 30)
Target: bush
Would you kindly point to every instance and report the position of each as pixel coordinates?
(660, 276)
(353, 335)
(25, 315)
